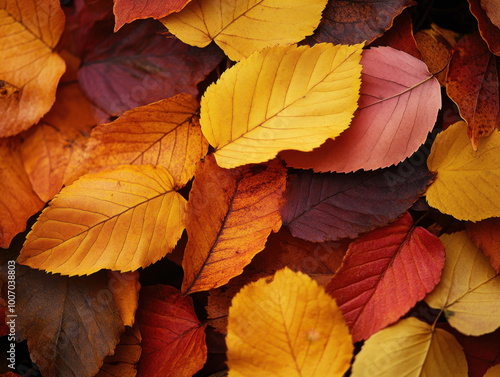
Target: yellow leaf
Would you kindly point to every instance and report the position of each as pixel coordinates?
(410, 348)
(120, 219)
(467, 184)
(242, 27)
(494, 371)
(283, 97)
(287, 327)
(469, 288)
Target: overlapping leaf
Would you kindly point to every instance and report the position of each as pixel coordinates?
(398, 105)
(489, 32)
(241, 28)
(469, 288)
(410, 348)
(165, 133)
(173, 339)
(492, 9)
(120, 219)
(466, 186)
(323, 207)
(125, 288)
(292, 329)
(486, 235)
(230, 214)
(29, 67)
(384, 274)
(284, 97)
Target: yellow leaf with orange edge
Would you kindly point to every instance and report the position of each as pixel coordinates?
(469, 289)
(283, 97)
(286, 326)
(410, 348)
(120, 219)
(467, 184)
(243, 27)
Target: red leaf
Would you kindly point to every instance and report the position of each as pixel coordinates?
(392, 120)
(489, 32)
(486, 235)
(173, 339)
(322, 207)
(384, 274)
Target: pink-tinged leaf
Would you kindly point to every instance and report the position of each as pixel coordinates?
(384, 274)
(321, 207)
(117, 76)
(127, 11)
(173, 339)
(398, 105)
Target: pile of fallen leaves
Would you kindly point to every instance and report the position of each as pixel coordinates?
(273, 188)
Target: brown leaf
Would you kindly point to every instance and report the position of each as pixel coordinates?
(489, 32)
(230, 214)
(486, 235)
(492, 9)
(125, 288)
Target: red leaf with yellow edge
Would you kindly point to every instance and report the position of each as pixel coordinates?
(230, 214)
(489, 32)
(486, 235)
(173, 339)
(384, 274)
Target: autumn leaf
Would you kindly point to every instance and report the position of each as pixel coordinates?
(466, 186)
(293, 329)
(284, 97)
(384, 274)
(473, 85)
(241, 28)
(494, 371)
(173, 339)
(322, 207)
(489, 32)
(468, 291)
(492, 9)
(29, 67)
(120, 219)
(398, 104)
(18, 201)
(127, 11)
(486, 235)
(230, 214)
(117, 77)
(125, 288)
(410, 348)
(353, 21)
(71, 324)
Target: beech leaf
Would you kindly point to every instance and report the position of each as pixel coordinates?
(410, 348)
(120, 219)
(286, 326)
(486, 235)
(173, 339)
(230, 214)
(283, 97)
(241, 28)
(384, 274)
(398, 105)
(467, 181)
(469, 288)
(29, 68)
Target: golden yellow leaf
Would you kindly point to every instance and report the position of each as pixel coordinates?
(469, 288)
(287, 327)
(242, 27)
(29, 67)
(467, 185)
(494, 371)
(120, 219)
(410, 348)
(283, 97)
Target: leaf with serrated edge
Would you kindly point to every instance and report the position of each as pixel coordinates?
(469, 288)
(120, 219)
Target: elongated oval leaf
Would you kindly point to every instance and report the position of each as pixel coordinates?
(284, 97)
(384, 274)
(293, 329)
(469, 289)
(467, 185)
(243, 27)
(398, 105)
(411, 348)
(120, 219)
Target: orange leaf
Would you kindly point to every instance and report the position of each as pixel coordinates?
(486, 235)
(125, 289)
(18, 201)
(173, 339)
(165, 133)
(492, 9)
(230, 214)
(384, 274)
(29, 67)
